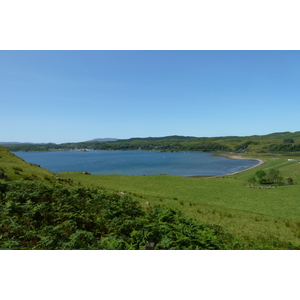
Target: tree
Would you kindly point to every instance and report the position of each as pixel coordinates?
(261, 176)
(252, 180)
(289, 181)
(274, 176)
(270, 176)
(288, 141)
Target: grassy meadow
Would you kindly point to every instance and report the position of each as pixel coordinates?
(252, 214)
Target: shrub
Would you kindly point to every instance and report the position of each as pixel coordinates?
(289, 181)
(18, 169)
(288, 141)
(2, 175)
(252, 180)
(271, 176)
(34, 216)
(261, 176)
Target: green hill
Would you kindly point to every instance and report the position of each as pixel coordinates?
(14, 168)
(279, 142)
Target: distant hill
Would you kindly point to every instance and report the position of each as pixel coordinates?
(282, 135)
(103, 140)
(278, 142)
(14, 143)
(170, 137)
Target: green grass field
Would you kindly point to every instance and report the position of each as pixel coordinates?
(250, 213)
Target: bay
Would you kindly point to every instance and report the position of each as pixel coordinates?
(136, 162)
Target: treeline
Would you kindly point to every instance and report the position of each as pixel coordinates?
(29, 147)
(270, 176)
(164, 145)
(283, 148)
(174, 143)
(245, 145)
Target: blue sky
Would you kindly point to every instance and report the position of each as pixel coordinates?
(65, 96)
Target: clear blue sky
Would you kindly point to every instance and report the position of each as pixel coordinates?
(65, 96)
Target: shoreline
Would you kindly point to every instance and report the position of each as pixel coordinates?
(232, 156)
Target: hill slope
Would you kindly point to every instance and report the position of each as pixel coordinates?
(13, 168)
(279, 142)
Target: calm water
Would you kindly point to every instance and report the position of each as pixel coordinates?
(136, 162)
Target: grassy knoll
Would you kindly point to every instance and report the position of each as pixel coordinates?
(14, 168)
(250, 213)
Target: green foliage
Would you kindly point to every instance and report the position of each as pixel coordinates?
(289, 181)
(252, 180)
(28, 147)
(35, 216)
(271, 176)
(265, 143)
(244, 146)
(172, 230)
(159, 144)
(274, 176)
(261, 176)
(226, 201)
(62, 221)
(14, 168)
(2, 175)
(288, 141)
(283, 148)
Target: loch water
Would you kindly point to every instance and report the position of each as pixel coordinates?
(136, 162)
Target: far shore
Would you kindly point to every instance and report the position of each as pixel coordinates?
(232, 156)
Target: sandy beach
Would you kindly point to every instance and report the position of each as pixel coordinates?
(233, 156)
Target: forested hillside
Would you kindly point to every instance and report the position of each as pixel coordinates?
(272, 143)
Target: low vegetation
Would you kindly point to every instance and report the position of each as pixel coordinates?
(15, 168)
(42, 210)
(35, 216)
(271, 176)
